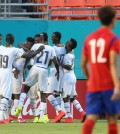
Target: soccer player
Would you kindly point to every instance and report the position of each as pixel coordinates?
(8, 54)
(37, 39)
(38, 73)
(69, 90)
(55, 86)
(101, 50)
(44, 38)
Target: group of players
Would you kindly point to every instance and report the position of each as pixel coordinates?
(37, 55)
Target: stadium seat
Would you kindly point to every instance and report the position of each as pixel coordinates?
(118, 12)
(74, 3)
(85, 17)
(115, 3)
(56, 3)
(61, 17)
(94, 3)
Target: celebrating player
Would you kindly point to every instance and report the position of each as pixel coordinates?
(8, 54)
(101, 50)
(38, 73)
(37, 39)
(44, 38)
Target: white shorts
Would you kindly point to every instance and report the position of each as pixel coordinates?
(6, 83)
(55, 86)
(69, 86)
(40, 75)
(34, 92)
(17, 83)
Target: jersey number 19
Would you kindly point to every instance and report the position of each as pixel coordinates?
(4, 61)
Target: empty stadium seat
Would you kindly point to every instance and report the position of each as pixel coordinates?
(84, 12)
(94, 3)
(56, 3)
(61, 17)
(74, 3)
(115, 3)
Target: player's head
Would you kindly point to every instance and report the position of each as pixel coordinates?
(10, 39)
(0, 38)
(29, 42)
(44, 37)
(71, 44)
(37, 39)
(56, 37)
(107, 15)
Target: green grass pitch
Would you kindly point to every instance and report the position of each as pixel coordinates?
(50, 128)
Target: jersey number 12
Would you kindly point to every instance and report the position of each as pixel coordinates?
(97, 58)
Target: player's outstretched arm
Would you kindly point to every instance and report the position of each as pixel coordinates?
(56, 66)
(84, 62)
(67, 67)
(33, 54)
(114, 73)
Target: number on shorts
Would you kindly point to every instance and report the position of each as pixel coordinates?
(94, 44)
(4, 61)
(46, 53)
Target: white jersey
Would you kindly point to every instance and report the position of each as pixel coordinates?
(69, 60)
(60, 52)
(7, 57)
(42, 60)
(19, 63)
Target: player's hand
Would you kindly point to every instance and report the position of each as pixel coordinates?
(16, 72)
(57, 75)
(41, 48)
(116, 94)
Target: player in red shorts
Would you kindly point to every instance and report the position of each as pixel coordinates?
(101, 50)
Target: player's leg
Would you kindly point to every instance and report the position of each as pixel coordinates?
(112, 109)
(94, 107)
(30, 81)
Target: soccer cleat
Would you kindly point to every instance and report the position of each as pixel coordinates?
(21, 120)
(42, 120)
(69, 120)
(46, 117)
(59, 116)
(35, 120)
(6, 121)
(18, 111)
(83, 117)
(2, 122)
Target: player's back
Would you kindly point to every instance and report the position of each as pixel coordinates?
(43, 59)
(97, 48)
(7, 56)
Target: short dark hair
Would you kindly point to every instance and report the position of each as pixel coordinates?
(37, 35)
(58, 35)
(74, 43)
(10, 38)
(45, 36)
(0, 34)
(31, 40)
(106, 14)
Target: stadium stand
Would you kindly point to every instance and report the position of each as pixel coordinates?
(56, 3)
(74, 3)
(115, 3)
(95, 3)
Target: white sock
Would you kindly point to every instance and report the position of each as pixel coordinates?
(16, 102)
(67, 109)
(33, 106)
(3, 108)
(58, 100)
(53, 102)
(10, 105)
(42, 109)
(78, 106)
(22, 99)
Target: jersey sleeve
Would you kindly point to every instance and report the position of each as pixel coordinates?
(115, 45)
(84, 51)
(68, 60)
(18, 53)
(53, 53)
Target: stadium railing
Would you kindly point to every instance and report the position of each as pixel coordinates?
(94, 14)
(7, 13)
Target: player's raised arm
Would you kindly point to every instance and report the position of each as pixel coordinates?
(33, 54)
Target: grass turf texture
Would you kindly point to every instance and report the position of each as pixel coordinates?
(50, 128)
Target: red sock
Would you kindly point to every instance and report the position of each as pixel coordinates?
(113, 128)
(88, 127)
